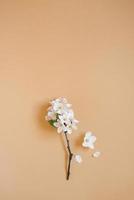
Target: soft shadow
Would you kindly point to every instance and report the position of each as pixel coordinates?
(49, 131)
(43, 124)
(79, 141)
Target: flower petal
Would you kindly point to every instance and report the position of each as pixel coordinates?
(89, 140)
(78, 158)
(59, 130)
(96, 154)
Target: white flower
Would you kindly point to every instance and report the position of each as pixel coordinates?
(61, 116)
(62, 127)
(51, 116)
(60, 105)
(64, 119)
(74, 123)
(78, 158)
(58, 125)
(89, 140)
(96, 154)
(69, 113)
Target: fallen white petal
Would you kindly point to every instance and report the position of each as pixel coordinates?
(89, 140)
(78, 158)
(96, 154)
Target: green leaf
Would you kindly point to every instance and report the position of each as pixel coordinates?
(51, 122)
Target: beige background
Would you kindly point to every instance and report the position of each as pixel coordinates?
(83, 50)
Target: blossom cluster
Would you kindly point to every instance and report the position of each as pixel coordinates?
(61, 116)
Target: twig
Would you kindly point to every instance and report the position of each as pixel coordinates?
(70, 154)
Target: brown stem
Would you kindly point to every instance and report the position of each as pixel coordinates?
(70, 154)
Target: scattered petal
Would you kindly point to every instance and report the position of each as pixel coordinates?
(89, 140)
(78, 158)
(96, 154)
